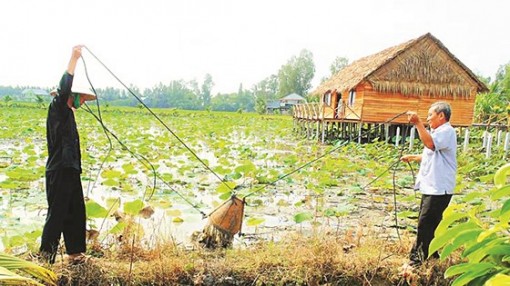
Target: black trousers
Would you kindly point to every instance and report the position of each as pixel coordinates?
(66, 213)
(431, 214)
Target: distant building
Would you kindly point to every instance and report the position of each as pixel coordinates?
(284, 104)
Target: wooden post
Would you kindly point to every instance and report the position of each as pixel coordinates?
(318, 128)
(489, 146)
(397, 136)
(466, 140)
(323, 127)
(369, 129)
(386, 132)
(308, 122)
(359, 133)
(348, 128)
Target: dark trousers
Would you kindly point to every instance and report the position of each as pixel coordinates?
(431, 214)
(66, 213)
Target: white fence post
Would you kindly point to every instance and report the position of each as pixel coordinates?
(499, 137)
(489, 146)
(466, 140)
(411, 137)
(397, 137)
(507, 139)
(484, 139)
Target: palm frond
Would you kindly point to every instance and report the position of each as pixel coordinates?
(9, 263)
(8, 277)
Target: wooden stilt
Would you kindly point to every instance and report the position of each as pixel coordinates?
(359, 132)
(323, 130)
(386, 132)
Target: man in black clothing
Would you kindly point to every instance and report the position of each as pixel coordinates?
(64, 192)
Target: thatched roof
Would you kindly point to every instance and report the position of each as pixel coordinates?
(421, 66)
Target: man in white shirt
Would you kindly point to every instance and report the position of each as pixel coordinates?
(436, 178)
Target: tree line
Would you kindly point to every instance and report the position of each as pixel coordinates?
(295, 76)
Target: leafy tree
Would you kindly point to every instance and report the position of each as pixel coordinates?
(502, 82)
(264, 92)
(267, 88)
(245, 99)
(497, 100)
(181, 96)
(296, 75)
(224, 102)
(338, 64)
(205, 93)
(260, 105)
(178, 94)
(242, 100)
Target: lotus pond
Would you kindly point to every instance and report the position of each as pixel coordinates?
(147, 175)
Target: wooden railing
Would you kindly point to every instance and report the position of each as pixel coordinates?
(316, 111)
(308, 111)
(493, 120)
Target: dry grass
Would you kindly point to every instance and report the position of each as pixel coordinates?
(355, 258)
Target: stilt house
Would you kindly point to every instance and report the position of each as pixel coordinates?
(409, 76)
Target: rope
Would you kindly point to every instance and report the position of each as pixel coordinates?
(160, 121)
(395, 164)
(299, 168)
(144, 161)
(100, 120)
(395, 184)
(323, 155)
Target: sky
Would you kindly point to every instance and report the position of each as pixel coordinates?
(147, 42)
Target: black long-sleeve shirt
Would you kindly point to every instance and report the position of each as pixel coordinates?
(61, 131)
